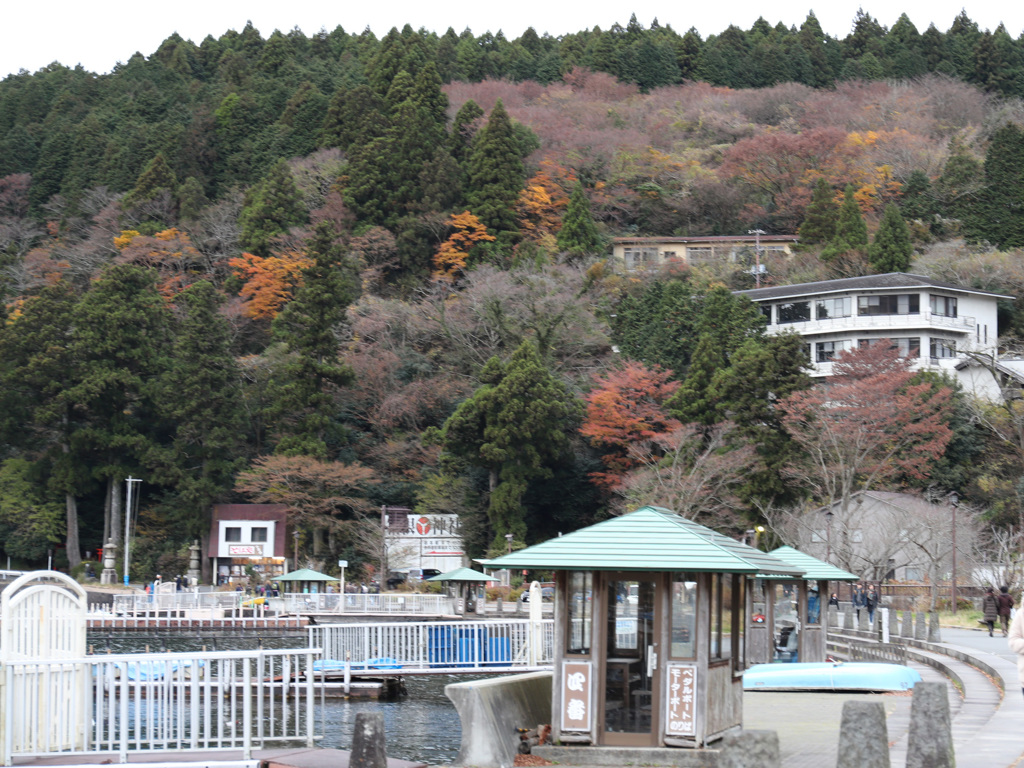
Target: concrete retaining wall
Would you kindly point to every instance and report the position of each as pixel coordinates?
(491, 710)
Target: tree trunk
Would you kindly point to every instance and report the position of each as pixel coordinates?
(106, 517)
(74, 551)
(116, 517)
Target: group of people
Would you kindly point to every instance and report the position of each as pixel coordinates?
(866, 598)
(997, 607)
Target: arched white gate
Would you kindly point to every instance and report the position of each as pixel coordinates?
(43, 615)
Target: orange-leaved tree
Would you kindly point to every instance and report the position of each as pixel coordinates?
(170, 252)
(450, 259)
(543, 201)
(268, 281)
(625, 408)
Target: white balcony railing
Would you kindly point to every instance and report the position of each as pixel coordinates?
(147, 703)
(877, 322)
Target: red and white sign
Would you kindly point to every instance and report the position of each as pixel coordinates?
(246, 549)
(423, 526)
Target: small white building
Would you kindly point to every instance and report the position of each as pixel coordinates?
(422, 541)
(244, 536)
(943, 327)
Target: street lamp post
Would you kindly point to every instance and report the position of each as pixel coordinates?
(757, 254)
(954, 502)
(508, 573)
(295, 564)
(128, 524)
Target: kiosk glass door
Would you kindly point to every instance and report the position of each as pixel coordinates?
(631, 662)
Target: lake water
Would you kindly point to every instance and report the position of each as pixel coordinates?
(423, 726)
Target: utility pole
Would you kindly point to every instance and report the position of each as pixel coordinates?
(128, 524)
(954, 502)
(757, 254)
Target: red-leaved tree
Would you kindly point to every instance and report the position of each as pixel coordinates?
(871, 423)
(625, 408)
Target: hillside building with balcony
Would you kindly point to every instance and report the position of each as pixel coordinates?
(640, 253)
(943, 327)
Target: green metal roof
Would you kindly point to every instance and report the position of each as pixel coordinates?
(650, 539)
(814, 569)
(463, 574)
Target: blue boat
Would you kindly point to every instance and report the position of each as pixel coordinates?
(830, 676)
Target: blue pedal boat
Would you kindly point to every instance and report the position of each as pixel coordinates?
(830, 676)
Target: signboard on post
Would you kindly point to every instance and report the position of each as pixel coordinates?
(576, 696)
(681, 704)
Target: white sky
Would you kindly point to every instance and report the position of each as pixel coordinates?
(100, 34)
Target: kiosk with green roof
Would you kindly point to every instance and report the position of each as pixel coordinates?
(649, 629)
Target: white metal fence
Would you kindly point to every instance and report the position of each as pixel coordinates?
(221, 604)
(366, 649)
(145, 702)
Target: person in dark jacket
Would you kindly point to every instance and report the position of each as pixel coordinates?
(858, 598)
(990, 609)
(1005, 607)
(871, 602)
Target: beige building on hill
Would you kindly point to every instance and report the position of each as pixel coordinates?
(638, 253)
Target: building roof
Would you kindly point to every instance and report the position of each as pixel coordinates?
(306, 574)
(277, 513)
(708, 239)
(814, 569)
(650, 539)
(888, 281)
(463, 574)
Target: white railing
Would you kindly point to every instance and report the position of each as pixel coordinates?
(142, 703)
(454, 646)
(225, 604)
(10, 575)
(852, 323)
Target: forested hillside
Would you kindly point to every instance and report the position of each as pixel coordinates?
(340, 272)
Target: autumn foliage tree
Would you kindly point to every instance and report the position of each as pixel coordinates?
(874, 422)
(453, 255)
(268, 281)
(626, 407)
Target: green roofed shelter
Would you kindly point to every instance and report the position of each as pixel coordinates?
(307, 579)
(649, 630)
(463, 574)
(467, 585)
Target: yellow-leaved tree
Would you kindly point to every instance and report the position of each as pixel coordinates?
(450, 259)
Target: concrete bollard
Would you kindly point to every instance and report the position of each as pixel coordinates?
(848, 618)
(920, 630)
(863, 736)
(908, 625)
(934, 633)
(862, 620)
(930, 741)
(750, 749)
(368, 744)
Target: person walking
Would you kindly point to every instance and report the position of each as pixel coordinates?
(1016, 643)
(871, 602)
(1005, 607)
(858, 598)
(990, 609)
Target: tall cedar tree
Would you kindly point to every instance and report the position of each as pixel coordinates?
(891, 249)
(516, 426)
(819, 225)
(873, 422)
(156, 178)
(271, 208)
(495, 174)
(309, 327)
(37, 365)
(121, 343)
(578, 236)
(851, 231)
(202, 398)
(999, 215)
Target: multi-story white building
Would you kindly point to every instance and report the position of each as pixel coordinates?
(942, 326)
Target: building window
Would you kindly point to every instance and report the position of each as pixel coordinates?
(232, 534)
(700, 255)
(896, 304)
(909, 346)
(766, 310)
(943, 348)
(640, 257)
(794, 312)
(842, 307)
(943, 305)
(827, 350)
(580, 594)
(684, 616)
(258, 534)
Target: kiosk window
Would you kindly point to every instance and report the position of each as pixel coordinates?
(684, 616)
(580, 611)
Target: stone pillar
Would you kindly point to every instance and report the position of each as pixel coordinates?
(109, 574)
(750, 749)
(934, 633)
(930, 741)
(848, 618)
(920, 630)
(862, 620)
(908, 624)
(194, 571)
(369, 749)
(863, 736)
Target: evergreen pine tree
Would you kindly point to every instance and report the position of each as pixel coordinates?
(578, 236)
(998, 215)
(918, 201)
(693, 401)
(495, 174)
(309, 328)
(891, 249)
(851, 231)
(271, 208)
(819, 225)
